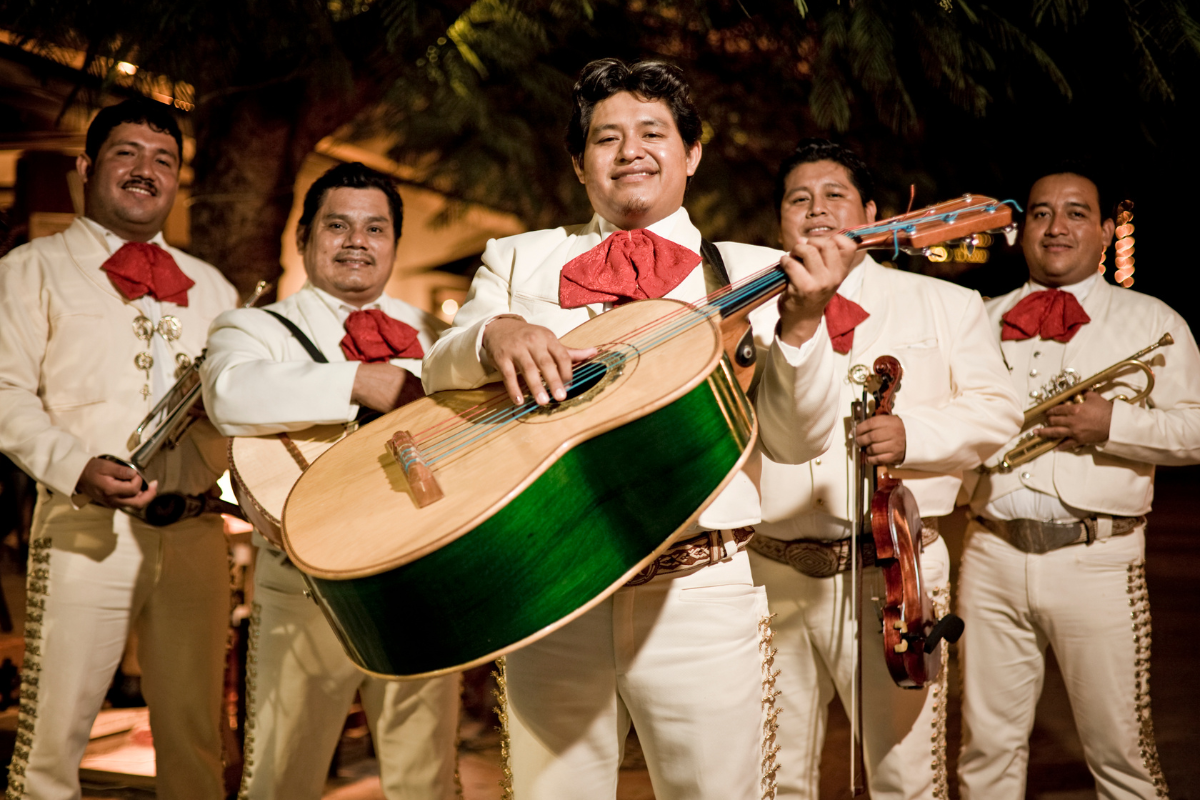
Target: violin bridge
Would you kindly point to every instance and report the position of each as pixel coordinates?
(425, 488)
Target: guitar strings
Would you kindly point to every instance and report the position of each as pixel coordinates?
(451, 436)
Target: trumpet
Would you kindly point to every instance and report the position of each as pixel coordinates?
(167, 423)
(1069, 389)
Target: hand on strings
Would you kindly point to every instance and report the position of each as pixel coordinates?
(882, 440)
(113, 486)
(384, 387)
(815, 269)
(1081, 423)
(521, 350)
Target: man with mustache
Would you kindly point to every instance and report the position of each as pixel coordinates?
(94, 324)
(349, 348)
(952, 410)
(1056, 552)
(679, 651)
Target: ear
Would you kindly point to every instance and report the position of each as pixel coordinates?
(1107, 229)
(83, 165)
(870, 210)
(693, 157)
(301, 233)
(577, 162)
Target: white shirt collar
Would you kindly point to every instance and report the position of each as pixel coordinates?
(340, 308)
(1080, 290)
(665, 227)
(112, 243)
(851, 287)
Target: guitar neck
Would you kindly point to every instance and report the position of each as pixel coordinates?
(912, 232)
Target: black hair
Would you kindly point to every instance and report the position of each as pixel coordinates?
(1087, 168)
(650, 80)
(350, 176)
(811, 150)
(137, 110)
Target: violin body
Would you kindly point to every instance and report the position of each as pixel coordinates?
(908, 615)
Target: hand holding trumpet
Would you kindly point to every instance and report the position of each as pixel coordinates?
(1078, 424)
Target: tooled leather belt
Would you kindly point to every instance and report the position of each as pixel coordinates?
(824, 559)
(1037, 537)
(700, 550)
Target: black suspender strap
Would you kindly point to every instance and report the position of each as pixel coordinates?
(712, 256)
(304, 341)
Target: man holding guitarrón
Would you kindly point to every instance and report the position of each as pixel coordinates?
(676, 652)
(349, 346)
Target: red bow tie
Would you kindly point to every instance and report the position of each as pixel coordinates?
(373, 336)
(842, 316)
(1051, 314)
(629, 265)
(139, 268)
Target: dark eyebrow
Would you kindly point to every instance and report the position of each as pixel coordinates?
(655, 121)
(335, 215)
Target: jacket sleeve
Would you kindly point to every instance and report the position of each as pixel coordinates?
(28, 435)
(1168, 433)
(983, 412)
(252, 388)
(454, 360)
(797, 394)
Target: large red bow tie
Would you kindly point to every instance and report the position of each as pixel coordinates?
(373, 336)
(1051, 314)
(842, 316)
(139, 268)
(629, 265)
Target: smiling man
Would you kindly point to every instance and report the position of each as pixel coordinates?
(952, 410)
(335, 350)
(94, 324)
(1056, 553)
(677, 650)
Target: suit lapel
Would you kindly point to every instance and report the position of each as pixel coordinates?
(874, 299)
(1096, 305)
(89, 255)
(321, 323)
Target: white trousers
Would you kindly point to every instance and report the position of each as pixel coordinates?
(680, 658)
(300, 684)
(904, 730)
(93, 573)
(1089, 603)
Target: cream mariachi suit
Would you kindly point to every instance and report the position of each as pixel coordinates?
(258, 379)
(678, 656)
(956, 409)
(1087, 601)
(69, 391)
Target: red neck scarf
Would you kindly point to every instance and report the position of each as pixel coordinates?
(140, 268)
(372, 336)
(1050, 314)
(842, 316)
(627, 266)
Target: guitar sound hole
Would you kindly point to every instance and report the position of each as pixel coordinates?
(586, 378)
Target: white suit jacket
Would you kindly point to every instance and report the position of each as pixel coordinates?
(520, 275)
(1116, 477)
(258, 379)
(69, 389)
(953, 398)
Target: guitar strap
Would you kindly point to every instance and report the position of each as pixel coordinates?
(364, 414)
(712, 257)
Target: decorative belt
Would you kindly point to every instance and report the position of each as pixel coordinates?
(700, 550)
(824, 559)
(1035, 536)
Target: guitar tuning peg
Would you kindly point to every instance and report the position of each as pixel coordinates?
(1010, 235)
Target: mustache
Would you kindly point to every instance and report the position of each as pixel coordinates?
(143, 182)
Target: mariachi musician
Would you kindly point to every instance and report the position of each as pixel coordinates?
(263, 376)
(1056, 553)
(94, 323)
(951, 411)
(677, 652)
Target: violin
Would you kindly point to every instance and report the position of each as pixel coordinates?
(911, 632)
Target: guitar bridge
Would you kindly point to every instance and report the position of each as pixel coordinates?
(425, 488)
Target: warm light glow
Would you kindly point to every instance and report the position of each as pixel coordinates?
(125, 68)
(449, 308)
